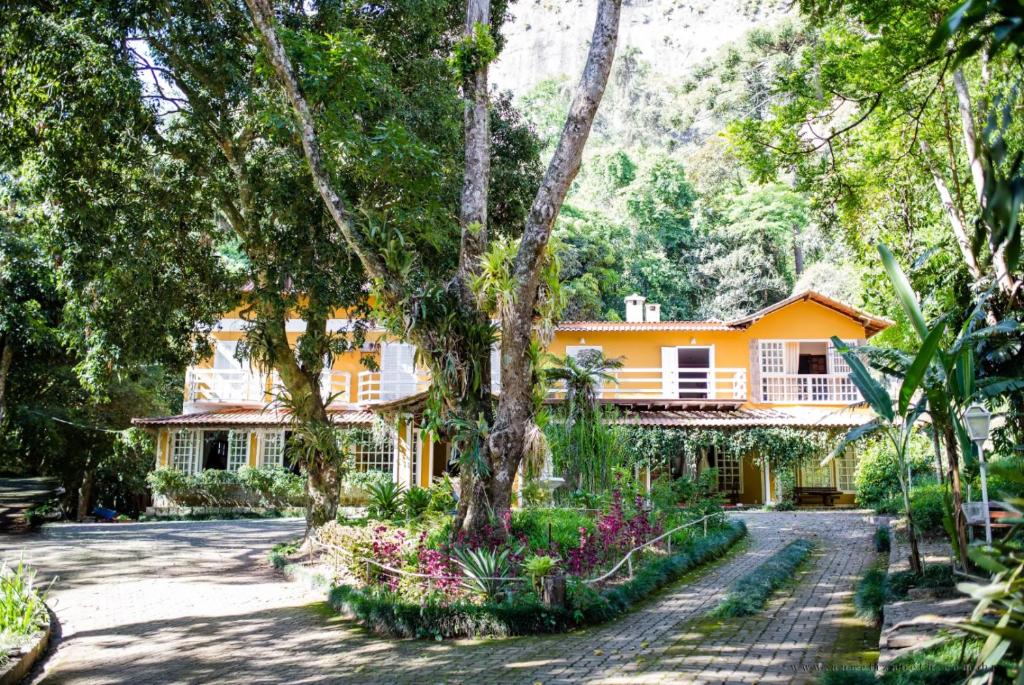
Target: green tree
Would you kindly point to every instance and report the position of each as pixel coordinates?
(443, 316)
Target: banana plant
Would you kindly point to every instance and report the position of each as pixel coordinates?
(895, 421)
(950, 383)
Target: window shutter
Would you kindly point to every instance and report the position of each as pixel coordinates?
(496, 367)
(397, 370)
(669, 372)
(755, 370)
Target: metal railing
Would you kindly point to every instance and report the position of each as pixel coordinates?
(808, 388)
(720, 383)
(667, 536)
(340, 554)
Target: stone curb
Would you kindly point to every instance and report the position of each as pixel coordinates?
(16, 670)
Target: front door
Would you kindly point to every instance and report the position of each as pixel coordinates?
(694, 365)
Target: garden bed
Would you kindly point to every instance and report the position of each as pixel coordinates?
(385, 612)
(25, 623)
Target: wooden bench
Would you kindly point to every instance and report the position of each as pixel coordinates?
(999, 516)
(827, 496)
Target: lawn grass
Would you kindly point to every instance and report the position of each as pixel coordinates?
(751, 593)
(946, 663)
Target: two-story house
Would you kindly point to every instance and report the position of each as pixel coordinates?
(774, 368)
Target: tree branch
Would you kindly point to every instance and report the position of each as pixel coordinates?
(263, 17)
(963, 96)
(956, 220)
(473, 210)
(565, 162)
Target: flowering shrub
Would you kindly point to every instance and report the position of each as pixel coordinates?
(428, 554)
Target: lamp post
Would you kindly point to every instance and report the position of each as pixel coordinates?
(978, 420)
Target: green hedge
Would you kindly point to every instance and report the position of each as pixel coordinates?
(383, 613)
(869, 599)
(749, 594)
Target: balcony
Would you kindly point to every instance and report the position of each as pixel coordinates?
(231, 386)
(228, 386)
(375, 386)
(656, 385)
(808, 388)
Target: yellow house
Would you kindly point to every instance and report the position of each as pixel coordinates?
(774, 368)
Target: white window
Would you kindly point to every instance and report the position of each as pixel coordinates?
(272, 448)
(374, 453)
(836, 363)
(846, 469)
(730, 474)
(184, 449)
(238, 450)
(397, 370)
(814, 475)
(773, 356)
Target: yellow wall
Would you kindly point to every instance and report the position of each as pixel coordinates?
(642, 349)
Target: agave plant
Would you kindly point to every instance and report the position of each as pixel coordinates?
(485, 571)
(386, 498)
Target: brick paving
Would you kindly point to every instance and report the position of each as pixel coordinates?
(196, 603)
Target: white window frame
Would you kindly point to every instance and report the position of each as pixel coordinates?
(184, 448)
(271, 448)
(836, 384)
(710, 389)
(846, 468)
(827, 468)
(719, 459)
(238, 449)
(378, 459)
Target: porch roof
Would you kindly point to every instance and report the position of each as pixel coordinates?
(249, 417)
(748, 418)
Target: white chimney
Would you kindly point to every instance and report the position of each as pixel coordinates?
(635, 308)
(652, 312)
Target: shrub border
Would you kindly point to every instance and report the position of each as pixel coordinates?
(750, 593)
(384, 615)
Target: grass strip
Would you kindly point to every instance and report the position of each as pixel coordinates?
(751, 593)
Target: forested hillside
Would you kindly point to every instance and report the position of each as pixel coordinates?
(662, 206)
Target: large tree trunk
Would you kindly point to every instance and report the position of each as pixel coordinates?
(85, 491)
(490, 493)
(323, 477)
(515, 407)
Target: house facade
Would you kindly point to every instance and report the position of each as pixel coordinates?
(774, 368)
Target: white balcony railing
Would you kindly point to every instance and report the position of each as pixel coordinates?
(373, 386)
(250, 387)
(676, 384)
(808, 388)
(224, 385)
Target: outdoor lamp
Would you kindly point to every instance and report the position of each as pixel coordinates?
(978, 419)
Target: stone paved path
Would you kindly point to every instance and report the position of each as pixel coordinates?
(196, 603)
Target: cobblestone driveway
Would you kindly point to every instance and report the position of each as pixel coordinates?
(196, 603)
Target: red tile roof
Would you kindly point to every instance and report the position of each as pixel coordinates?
(872, 324)
(748, 418)
(582, 326)
(249, 417)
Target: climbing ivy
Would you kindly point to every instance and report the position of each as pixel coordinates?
(781, 448)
